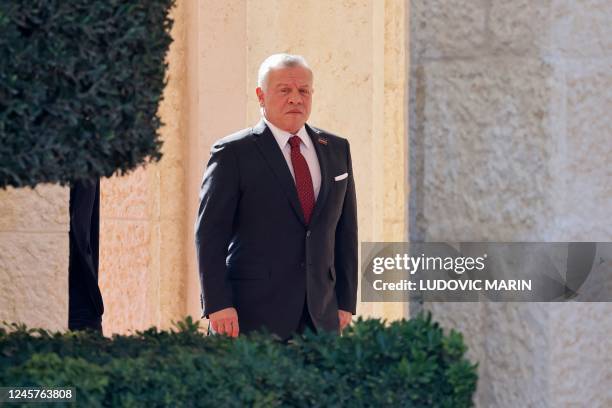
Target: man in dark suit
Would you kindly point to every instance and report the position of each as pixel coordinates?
(276, 233)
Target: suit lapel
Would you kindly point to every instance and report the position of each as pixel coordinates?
(269, 148)
(320, 144)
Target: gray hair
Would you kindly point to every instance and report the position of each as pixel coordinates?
(278, 61)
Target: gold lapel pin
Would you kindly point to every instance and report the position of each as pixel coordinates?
(323, 141)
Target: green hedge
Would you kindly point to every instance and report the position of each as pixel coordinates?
(405, 363)
(80, 85)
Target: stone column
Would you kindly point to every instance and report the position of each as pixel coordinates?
(217, 104)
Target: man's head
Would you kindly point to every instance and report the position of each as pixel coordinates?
(285, 91)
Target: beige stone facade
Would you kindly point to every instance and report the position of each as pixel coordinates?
(34, 256)
(511, 140)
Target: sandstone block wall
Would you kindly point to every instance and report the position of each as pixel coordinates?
(510, 140)
(34, 242)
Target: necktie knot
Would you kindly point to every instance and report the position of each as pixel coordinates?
(294, 141)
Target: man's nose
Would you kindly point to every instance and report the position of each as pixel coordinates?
(295, 98)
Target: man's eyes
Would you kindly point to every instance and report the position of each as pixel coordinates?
(302, 91)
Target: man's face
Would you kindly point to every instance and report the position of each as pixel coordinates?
(288, 97)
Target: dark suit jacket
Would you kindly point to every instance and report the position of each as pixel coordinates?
(255, 251)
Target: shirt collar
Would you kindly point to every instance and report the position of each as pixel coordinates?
(282, 136)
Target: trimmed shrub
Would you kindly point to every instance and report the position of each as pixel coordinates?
(80, 85)
(405, 363)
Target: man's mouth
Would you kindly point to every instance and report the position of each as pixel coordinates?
(295, 111)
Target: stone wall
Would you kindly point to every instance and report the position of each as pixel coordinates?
(34, 225)
(510, 140)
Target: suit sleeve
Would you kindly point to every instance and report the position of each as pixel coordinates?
(346, 246)
(213, 229)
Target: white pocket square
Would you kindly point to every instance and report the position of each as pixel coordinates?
(341, 177)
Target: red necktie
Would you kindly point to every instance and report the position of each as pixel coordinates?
(303, 180)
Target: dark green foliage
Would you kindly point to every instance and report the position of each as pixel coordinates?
(406, 363)
(80, 85)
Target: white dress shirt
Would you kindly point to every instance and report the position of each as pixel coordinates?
(306, 148)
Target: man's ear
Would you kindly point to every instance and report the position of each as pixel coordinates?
(260, 96)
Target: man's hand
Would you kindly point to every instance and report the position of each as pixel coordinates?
(344, 318)
(225, 321)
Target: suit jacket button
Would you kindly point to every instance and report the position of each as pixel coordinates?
(308, 234)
